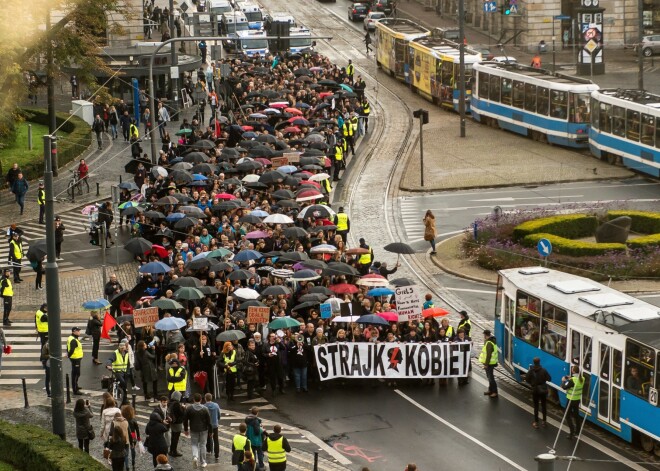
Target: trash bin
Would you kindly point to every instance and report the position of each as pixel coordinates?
(543, 47)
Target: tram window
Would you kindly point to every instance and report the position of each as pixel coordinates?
(553, 330)
(618, 121)
(530, 97)
(447, 74)
(648, 129)
(575, 348)
(632, 125)
(483, 85)
(605, 362)
(579, 108)
(518, 94)
(543, 101)
(506, 91)
(616, 369)
(605, 117)
(528, 318)
(558, 104)
(494, 88)
(657, 133)
(640, 363)
(595, 116)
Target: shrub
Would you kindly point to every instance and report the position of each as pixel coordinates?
(77, 142)
(570, 226)
(575, 248)
(643, 222)
(652, 240)
(30, 447)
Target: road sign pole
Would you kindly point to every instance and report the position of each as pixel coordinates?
(461, 66)
(554, 53)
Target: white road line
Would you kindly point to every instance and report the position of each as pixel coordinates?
(511, 198)
(649, 296)
(16, 381)
(554, 203)
(439, 235)
(592, 443)
(466, 290)
(459, 431)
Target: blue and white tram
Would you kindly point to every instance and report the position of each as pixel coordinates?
(566, 319)
(548, 107)
(625, 128)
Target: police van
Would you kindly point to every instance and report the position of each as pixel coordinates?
(254, 14)
(279, 17)
(301, 39)
(252, 43)
(230, 25)
(219, 7)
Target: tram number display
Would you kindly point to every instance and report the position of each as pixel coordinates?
(653, 396)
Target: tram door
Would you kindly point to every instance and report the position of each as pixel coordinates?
(609, 385)
(581, 345)
(509, 320)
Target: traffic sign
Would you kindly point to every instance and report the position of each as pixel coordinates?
(544, 247)
(490, 7)
(514, 9)
(563, 17)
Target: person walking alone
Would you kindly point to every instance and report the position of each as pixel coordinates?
(367, 41)
(537, 377)
(20, 188)
(573, 385)
(98, 126)
(59, 237)
(429, 230)
(200, 421)
(82, 412)
(488, 358)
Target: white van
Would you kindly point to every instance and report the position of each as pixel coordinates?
(231, 24)
(219, 7)
(301, 39)
(254, 14)
(252, 43)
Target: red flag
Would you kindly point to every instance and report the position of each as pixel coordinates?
(108, 323)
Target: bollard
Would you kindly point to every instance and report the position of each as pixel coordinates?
(98, 189)
(120, 182)
(68, 391)
(29, 137)
(25, 393)
(73, 194)
(546, 462)
(133, 401)
(316, 461)
(475, 230)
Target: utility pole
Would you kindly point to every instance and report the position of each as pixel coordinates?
(640, 54)
(461, 66)
(50, 87)
(423, 116)
(53, 295)
(174, 70)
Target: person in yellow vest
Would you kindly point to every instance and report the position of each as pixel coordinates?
(176, 377)
(449, 330)
(350, 71)
(343, 224)
(7, 293)
(465, 323)
(239, 445)
(16, 255)
(366, 259)
(229, 363)
(119, 364)
(574, 386)
(41, 322)
(326, 186)
(354, 120)
(277, 446)
(338, 161)
(41, 201)
(347, 133)
(364, 116)
(74, 351)
(488, 358)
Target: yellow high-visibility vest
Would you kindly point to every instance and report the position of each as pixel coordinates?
(342, 221)
(179, 386)
(339, 153)
(78, 351)
(276, 452)
(16, 249)
(484, 353)
(120, 364)
(41, 326)
(8, 291)
(350, 70)
(366, 258)
(230, 359)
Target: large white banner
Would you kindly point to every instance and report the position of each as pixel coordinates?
(392, 360)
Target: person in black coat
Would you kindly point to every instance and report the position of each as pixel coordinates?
(155, 431)
(298, 355)
(105, 220)
(537, 377)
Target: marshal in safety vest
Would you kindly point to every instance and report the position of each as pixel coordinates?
(350, 70)
(241, 443)
(366, 258)
(339, 153)
(42, 326)
(8, 290)
(347, 129)
(276, 452)
(230, 359)
(16, 249)
(366, 109)
(484, 353)
(41, 197)
(120, 363)
(180, 385)
(78, 351)
(575, 393)
(342, 222)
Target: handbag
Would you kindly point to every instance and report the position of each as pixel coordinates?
(106, 450)
(6, 349)
(90, 432)
(140, 448)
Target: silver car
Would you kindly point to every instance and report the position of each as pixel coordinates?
(371, 19)
(650, 45)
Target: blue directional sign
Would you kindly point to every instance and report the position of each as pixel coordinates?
(563, 17)
(544, 247)
(490, 7)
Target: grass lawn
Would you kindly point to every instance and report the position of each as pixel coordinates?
(18, 151)
(7, 467)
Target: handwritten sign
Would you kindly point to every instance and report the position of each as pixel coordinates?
(408, 303)
(258, 315)
(279, 162)
(292, 157)
(326, 311)
(200, 323)
(144, 317)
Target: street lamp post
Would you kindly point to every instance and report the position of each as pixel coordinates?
(461, 66)
(423, 116)
(640, 54)
(174, 75)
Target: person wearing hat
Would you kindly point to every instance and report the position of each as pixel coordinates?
(7, 293)
(176, 377)
(16, 255)
(59, 237)
(465, 323)
(41, 201)
(488, 358)
(343, 224)
(365, 260)
(119, 364)
(41, 323)
(74, 351)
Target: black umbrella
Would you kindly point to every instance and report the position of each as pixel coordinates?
(287, 204)
(261, 151)
(209, 290)
(186, 222)
(196, 157)
(204, 144)
(327, 82)
(295, 232)
(249, 165)
(230, 336)
(221, 266)
(137, 246)
(167, 200)
(272, 177)
(183, 198)
(399, 248)
(37, 250)
(203, 168)
(314, 264)
(305, 305)
(339, 268)
(402, 282)
(240, 275)
(313, 298)
(132, 210)
(199, 263)
(154, 214)
(125, 318)
(267, 138)
(321, 290)
(256, 185)
(226, 206)
(293, 257)
(181, 176)
(276, 290)
(251, 303)
(283, 194)
(302, 71)
(130, 186)
(187, 281)
(117, 298)
(165, 233)
(250, 219)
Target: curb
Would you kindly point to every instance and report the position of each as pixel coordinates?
(451, 271)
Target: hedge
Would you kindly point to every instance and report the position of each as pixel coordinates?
(570, 226)
(576, 248)
(649, 241)
(30, 447)
(78, 140)
(643, 222)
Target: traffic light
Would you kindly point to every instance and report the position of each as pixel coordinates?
(505, 9)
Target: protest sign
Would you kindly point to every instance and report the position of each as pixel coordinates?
(408, 303)
(258, 315)
(145, 316)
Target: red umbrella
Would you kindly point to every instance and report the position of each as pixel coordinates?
(344, 288)
(390, 316)
(200, 378)
(160, 250)
(264, 161)
(295, 111)
(224, 196)
(247, 128)
(291, 129)
(281, 104)
(325, 94)
(308, 195)
(434, 312)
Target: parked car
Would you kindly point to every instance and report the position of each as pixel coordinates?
(371, 18)
(382, 5)
(358, 11)
(650, 45)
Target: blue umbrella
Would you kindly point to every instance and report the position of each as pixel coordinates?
(154, 268)
(170, 323)
(372, 319)
(346, 87)
(198, 177)
(175, 217)
(201, 255)
(96, 304)
(380, 292)
(249, 135)
(259, 213)
(304, 105)
(128, 186)
(288, 169)
(247, 255)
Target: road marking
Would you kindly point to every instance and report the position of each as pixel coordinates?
(643, 200)
(438, 236)
(511, 198)
(466, 290)
(649, 296)
(592, 443)
(459, 431)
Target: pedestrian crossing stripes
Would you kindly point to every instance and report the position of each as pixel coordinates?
(23, 362)
(412, 211)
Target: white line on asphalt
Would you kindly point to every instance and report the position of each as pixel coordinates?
(439, 235)
(592, 443)
(459, 431)
(483, 291)
(15, 381)
(511, 198)
(649, 296)
(643, 200)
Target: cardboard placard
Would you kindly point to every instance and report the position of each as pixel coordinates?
(326, 311)
(145, 316)
(292, 157)
(258, 315)
(279, 162)
(200, 323)
(408, 303)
